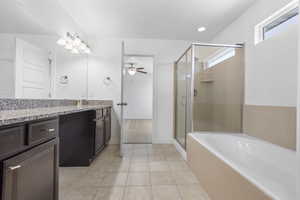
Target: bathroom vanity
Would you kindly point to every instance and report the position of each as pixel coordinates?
(33, 140)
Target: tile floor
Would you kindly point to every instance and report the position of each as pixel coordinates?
(146, 172)
(138, 131)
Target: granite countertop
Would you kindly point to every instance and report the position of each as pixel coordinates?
(8, 117)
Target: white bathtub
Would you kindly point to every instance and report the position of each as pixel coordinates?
(270, 168)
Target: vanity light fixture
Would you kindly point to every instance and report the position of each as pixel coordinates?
(201, 29)
(74, 44)
(75, 51)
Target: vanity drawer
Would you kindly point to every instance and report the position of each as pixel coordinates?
(42, 131)
(12, 140)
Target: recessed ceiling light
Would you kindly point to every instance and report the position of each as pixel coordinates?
(201, 29)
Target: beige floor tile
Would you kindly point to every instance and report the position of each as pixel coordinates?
(159, 166)
(108, 178)
(138, 193)
(114, 179)
(139, 167)
(162, 178)
(81, 193)
(139, 158)
(117, 166)
(138, 179)
(110, 193)
(64, 191)
(174, 157)
(89, 180)
(141, 146)
(178, 166)
(165, 192)
(140, 151)
(138, 131)
(192, 192)
(158, 146)
(155, 158)
(107, 157)
(155, 153)
(184, 177)
(68, 175)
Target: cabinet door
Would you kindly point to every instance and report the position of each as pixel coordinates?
(76, 136)
(107, 129)
(32, 175)
(99, 136)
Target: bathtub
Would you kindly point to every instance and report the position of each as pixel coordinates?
(250, 166)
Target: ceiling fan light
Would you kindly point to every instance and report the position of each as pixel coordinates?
(201, 29)
(131, 71)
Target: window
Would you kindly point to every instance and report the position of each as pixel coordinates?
(278, 22)
(219, 57)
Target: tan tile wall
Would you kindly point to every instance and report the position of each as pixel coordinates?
(272, 123)
(218, 105)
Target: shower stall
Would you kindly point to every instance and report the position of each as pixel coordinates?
(209, 90)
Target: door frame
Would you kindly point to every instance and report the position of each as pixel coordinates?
(154, 96)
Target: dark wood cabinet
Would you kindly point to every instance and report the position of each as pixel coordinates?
(83, 136)
(42, 131)
(99, 134)
(12, 140)
(76, 135)
(29, 161)
(32, 175)
(107, 119)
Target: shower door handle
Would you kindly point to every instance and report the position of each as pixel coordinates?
(195, 93)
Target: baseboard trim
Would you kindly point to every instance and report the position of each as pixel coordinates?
(180, 149)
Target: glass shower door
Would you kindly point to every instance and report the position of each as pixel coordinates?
(183, 69)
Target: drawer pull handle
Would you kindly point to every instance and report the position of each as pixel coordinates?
(51, 130)
(15, 167)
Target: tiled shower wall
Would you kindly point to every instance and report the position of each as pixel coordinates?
(275, 124)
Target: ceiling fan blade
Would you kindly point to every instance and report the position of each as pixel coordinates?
(143, 72)
(138, 68)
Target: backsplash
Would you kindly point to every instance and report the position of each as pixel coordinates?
(16, 104)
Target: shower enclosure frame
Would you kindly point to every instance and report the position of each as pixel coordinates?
(190, 104)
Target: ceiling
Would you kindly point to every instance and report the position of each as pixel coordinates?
(156, 19)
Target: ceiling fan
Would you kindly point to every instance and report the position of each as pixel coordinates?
(132, 70)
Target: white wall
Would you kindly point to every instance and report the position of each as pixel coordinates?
(138, 94)
(271, 66)
(99, 68)
(7, 49)
(298, 122)
(75, 67)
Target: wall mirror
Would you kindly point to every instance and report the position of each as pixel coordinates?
(32, 64)
(35, 67)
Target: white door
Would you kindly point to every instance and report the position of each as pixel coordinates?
(32, 71)
(122, 104)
